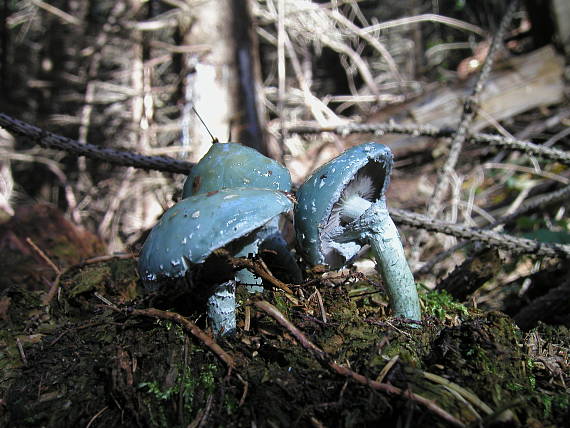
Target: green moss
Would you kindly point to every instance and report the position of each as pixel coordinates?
(440, 304)
(547, 403)
(154, 389)
(282, 303)
(187, 382)
(161, 375)
(190, 388)
(92, 278)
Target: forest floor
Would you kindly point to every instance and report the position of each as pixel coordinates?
(82, 344)
(82, 348)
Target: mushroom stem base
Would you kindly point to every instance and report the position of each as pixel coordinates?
(221, 308)
(391, 263)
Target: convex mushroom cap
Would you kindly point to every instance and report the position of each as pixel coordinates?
(196, 226)
(228, 165)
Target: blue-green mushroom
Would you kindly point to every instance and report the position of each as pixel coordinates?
(342, 207)
(196, 226)
(230, 165)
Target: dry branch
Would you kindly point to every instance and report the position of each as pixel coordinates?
(530, 205)
(469, 111)
(64, 16)
(255, 266)
(487, 237)
(437, 132)
(427, 17)
(49, 140)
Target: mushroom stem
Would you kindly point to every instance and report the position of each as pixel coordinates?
(392, 265)
(221, 308)
(372, 224)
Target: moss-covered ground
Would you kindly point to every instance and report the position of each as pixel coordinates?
(84, 360)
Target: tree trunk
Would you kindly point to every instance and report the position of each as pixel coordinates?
(221, 81)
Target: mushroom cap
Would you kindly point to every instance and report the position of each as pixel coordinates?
(192, 229)
(228, 165)
(324, 188)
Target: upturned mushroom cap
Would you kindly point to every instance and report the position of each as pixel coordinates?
(228, 165)
(196, 226)
(363, 169)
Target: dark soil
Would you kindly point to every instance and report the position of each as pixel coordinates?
(85, 360)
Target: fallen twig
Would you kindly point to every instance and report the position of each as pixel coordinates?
(257, 267)
(187, 325)
(387, 368)
(95, 416)
(489, 237)
(437, 132)
(537, 202)
(64, 16)
(47, 298)
(322, 356)
(21, 351)
(43, 255)
(53, 141)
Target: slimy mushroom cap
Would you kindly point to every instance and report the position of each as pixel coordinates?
(192, 229)
(228, 165)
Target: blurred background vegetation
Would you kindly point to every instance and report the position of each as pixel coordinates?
(128, 74)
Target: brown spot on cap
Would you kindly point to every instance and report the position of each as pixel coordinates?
(196, 184)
